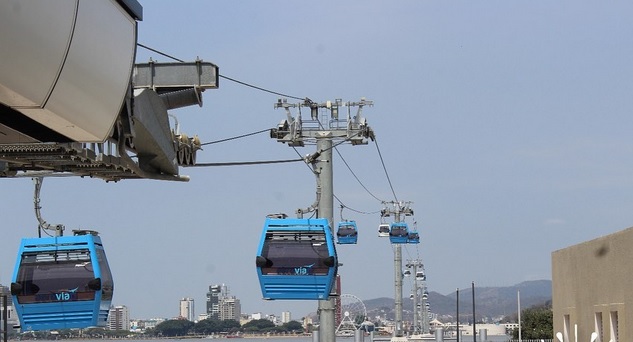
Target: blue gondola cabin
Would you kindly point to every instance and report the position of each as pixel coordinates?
(347, 233)
(399, 232)
(296, 259)
(413, 237)
(62, 282)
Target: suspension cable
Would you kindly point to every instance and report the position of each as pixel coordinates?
(278, 161)
(236, 137)
(245, 163)
(354, 210)
(260, 88)
(160, 52)
(222, 76)
(349, 168)
(386, 173)
(356, 177)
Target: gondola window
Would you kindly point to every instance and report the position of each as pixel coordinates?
(55, 276)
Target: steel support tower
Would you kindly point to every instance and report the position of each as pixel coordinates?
(397, 209)
(323, 131)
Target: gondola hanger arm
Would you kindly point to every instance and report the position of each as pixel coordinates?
(57, 228)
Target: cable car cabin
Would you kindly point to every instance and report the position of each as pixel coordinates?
(419, 275)
(383, 230)
(296, 259)
(347, 233)
(62, 282)
(413, 237)
(398, 232)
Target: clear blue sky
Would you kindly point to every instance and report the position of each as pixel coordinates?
(507, 123)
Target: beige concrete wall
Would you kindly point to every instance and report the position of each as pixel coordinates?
(594, 280)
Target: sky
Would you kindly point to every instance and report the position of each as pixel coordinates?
(507, 124)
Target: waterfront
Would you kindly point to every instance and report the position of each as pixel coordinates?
(494, 338)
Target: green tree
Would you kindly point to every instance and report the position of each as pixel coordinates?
(207, 326)
(173, 327)
(258, 325)
(536, 323)
(292, 326)
(230, 325)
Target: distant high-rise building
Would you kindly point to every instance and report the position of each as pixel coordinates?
(230, 309)
(221, 306)
(119, 318)
(186, 309)
(12, 317)
(213, 301)
(285, 317)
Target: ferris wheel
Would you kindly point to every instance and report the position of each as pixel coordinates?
(352, 314)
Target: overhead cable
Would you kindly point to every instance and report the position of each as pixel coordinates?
(262, 89)
(160, 53)
(386, 173)
(237, 137)
(354, 210)
(341, 202)
(350, 169)
(225, 77)
(356, 177)
(276, 161)
(245, 163)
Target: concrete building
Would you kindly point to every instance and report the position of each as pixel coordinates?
(307, 323)
(187, 309)
(591, 289)
(213, 301)
(12, 317)
(222, 306)
(119, 318)
(142, 325)
(274, 319)
(230, 309)
(152, 323)
(285, 317)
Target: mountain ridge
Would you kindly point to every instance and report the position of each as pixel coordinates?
(492, 303)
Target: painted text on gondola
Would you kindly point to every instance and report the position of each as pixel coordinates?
(63, 296)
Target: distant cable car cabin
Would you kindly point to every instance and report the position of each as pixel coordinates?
(383, 230)
(62, 282)
(419, 275)
(296, 259)
(413, 238)
(398, 232)
(347, 233)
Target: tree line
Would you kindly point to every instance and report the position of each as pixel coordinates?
(172, 328)
(180, 327)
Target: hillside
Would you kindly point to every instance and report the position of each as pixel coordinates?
(491, 302)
